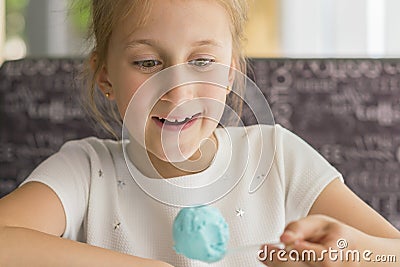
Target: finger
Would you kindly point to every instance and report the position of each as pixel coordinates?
(311, 228)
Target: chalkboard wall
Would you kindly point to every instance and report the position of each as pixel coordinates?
(348, 109)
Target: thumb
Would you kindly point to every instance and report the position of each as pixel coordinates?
(312, 228)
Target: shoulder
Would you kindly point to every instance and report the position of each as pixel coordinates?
(90, 146)
(86, 154)
(291, 155)
(253, 132)
(77, 157)
(293, 150)
(274, 135)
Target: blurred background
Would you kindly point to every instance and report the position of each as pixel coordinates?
(277, 28)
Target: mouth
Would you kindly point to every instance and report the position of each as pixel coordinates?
(176, 123)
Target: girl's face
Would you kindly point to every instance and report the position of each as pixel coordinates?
(175, 32)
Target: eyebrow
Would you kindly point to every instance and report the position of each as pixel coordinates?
(148, 42)
(155, 43)
(208, 42)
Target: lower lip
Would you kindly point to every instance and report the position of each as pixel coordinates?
(170, 127)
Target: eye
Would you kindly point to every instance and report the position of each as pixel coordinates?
(202, 62)
(148, 65)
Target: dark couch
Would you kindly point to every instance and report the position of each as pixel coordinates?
(348, 109)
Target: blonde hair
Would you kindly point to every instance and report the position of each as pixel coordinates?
(106, 14)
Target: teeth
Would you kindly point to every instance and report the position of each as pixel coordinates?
(176, 120)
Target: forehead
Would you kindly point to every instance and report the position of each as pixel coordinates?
(173, 17)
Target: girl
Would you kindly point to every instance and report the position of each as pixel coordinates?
(81, 207)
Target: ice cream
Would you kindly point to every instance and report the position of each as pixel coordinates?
(201, 233)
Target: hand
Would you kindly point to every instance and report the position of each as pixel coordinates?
(321, 236)
(161, 264)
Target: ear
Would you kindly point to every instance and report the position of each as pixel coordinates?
(101, 78)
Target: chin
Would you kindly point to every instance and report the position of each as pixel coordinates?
(174, 154)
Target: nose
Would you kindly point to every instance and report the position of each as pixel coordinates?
(179, 94)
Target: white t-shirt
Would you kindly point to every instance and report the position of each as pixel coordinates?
(105, 207)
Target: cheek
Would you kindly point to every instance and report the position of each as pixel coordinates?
(125, 80)
(214, 92)
(215, 101)
(124, 93)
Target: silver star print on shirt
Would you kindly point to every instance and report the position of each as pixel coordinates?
(239, 212)
(121, 184)
(117, 225)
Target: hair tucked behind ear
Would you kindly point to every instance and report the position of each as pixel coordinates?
(104, 16)
(238, 13)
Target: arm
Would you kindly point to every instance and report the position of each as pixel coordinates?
(378, 235)
(32, 220)
(339, 214)
(339, 202)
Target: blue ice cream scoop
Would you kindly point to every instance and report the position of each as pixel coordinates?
(201, 233)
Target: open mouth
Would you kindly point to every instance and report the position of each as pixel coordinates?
(181, 123)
